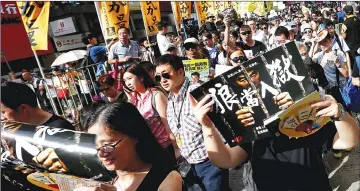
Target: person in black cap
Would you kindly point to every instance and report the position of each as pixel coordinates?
(351, 32)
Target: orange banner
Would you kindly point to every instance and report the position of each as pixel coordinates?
(151, 15)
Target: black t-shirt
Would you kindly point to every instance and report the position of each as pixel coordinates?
(15, 180)
(257, 49)
(352, 33)
(356, 71)
(284, 164)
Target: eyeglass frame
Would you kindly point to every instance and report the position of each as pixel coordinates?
(162, 76)
(113, 146)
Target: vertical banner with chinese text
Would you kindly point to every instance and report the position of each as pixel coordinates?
(203, 10)
(151, 15)
(181, 10)
(218, 7)
(114, 14)
(35, 17)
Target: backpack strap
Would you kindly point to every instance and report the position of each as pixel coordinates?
(338, 41)
(153, 103)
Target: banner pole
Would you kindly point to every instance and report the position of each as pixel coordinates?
(6, 61)
(197, 15)
(100, 20)
(44, 81)
(147, 35)
(173, 6)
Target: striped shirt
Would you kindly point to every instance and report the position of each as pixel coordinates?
(192, 146)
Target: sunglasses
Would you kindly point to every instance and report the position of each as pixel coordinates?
(189, 46)
(264, 28)
(163, 75)
(239, 59)
(246, 33)
(307, 31)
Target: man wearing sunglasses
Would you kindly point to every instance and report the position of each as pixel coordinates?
(183, 124)
(251, 47)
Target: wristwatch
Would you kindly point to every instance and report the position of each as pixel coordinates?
(342, 113)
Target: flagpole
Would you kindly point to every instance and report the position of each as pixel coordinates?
(173, 6)
(43, 77)
(100, 20)
(6, 61)
(197, 15)
(147, 35)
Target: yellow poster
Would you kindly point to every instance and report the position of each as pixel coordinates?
(200, 65)
(243, 8)
(218, 7)
(203, 10)
(151, 15)
(35, 17)
(114, 14)
(257, 8)
(232, 4)
(300, 119)
(181, 10)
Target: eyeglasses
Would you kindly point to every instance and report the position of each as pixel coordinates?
(189, 46)
(264, 28)
(307, 31)
(239, 59)
(163, 75)
(108, 148)
(245, 33)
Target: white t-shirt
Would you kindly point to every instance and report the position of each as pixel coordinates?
(162, 42)
(260, 36)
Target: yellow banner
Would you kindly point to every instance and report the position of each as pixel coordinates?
(151, 15)
(257, 8)
(203, 10)
(35, 17)
(232, 4)
(114, 14)
(218, 7)
(181, 10)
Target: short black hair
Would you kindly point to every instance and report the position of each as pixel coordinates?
(148, 66)
(142, 40)
(208, 35)
(86, 37)
(161, 25)
(264, 23)
(282, 30)
(172, 60)
(328, 22)
(15, 94)
(195, 74)
(215, 32)
(127, 30)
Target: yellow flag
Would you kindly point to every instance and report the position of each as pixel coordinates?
(114, 14)
(35, 17)
(203, 10)
(232, 4)
(181, 10)
(151, 15)
(257, 8)
(219, 6)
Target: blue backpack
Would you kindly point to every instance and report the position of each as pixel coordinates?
(351, 96)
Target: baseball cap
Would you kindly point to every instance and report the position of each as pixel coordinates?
(348, 9)
(191, 40)
(305, 26)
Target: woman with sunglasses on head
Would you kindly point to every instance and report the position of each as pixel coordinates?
(108, 87)
(151, 101)
(127, 146)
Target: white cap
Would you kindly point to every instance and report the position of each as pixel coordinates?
(305, 26)
(191, 40)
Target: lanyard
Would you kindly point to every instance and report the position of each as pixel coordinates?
(182, 103)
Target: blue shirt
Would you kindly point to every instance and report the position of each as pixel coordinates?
(97, 55)
(341, 16)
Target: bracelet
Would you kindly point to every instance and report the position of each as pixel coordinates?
(342, 113)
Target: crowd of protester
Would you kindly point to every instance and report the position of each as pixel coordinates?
(146, 121)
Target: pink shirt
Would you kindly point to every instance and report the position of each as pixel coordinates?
(151, 116)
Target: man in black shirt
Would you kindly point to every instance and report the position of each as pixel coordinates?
(351, 32)
(18, 103)
(282, 163)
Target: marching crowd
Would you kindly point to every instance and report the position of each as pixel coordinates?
(155, 136)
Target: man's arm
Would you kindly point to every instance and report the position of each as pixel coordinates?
(227, 22)
(221, 155)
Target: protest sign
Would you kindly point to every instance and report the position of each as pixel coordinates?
(200, 65)
(151, 15)
(75, 151)
(253, 85)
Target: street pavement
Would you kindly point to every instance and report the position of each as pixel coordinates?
(344, 173)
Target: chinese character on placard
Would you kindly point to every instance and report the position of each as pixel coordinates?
(224, 93)
(10, 9)
(248, 95)
(205, 7)
(265, 87)
(31, 38)
(283, 75)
